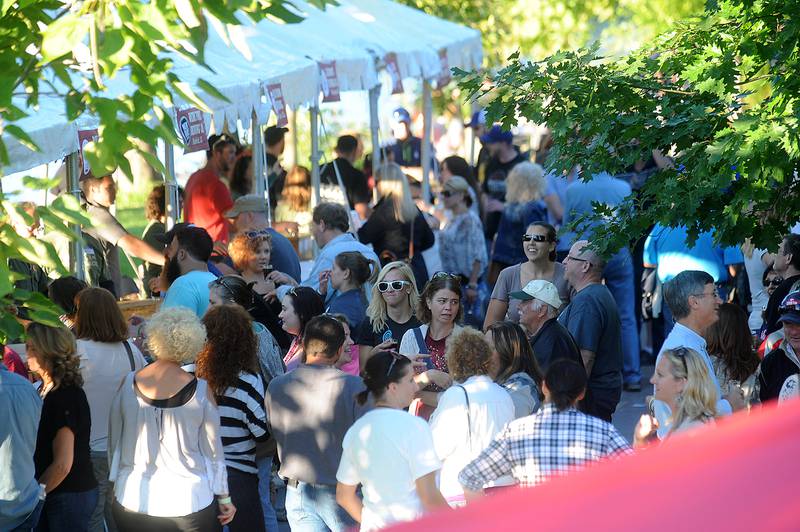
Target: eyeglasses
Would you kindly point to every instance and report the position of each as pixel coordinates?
(395, 358)
(447, 193)
(536, 238)
(774, 282)
(570, 257)
(385, 286)
(682, 353)
(445, 275)
(255, 234)
(221, 281)
(714, 294)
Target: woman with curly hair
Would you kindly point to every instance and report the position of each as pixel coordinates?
(63, 463)
(514, 366)
(228, 362)
(251, 254)
(732, 355)
(682, 381)
(470, 413)
(164, 447)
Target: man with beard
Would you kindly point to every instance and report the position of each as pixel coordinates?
(186, 269)
(207, 197)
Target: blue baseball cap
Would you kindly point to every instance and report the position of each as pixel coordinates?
(478, 119)
(789, 308)
(401, 115)
(496, 134)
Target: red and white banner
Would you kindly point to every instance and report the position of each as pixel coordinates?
(192, 129)
(393, 68)
(329, 81)
(85, 136)
(278, 103)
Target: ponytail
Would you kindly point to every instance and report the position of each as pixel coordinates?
(381, 370)
(361, 269)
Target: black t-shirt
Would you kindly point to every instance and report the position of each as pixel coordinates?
(386, 233)
(407, 152)
(494, 183)
(771, 315)
(552, 342)
(66, 406)
(353, 179)
(592, 318)
(366, 336)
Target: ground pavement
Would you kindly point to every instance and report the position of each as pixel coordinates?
(632, 406)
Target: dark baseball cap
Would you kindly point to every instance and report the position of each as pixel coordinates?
(789, 308)
(496, 134)
(274, 135)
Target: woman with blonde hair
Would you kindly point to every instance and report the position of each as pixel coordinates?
(391, 311)
(294, 204)
(165, 449)
(397, 229)
(470, 413)
(62, 459)
(683, 381)
(524, 205)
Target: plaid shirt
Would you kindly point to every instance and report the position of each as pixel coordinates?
(548, 443)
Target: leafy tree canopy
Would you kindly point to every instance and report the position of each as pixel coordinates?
(70, 50)
(719, 93)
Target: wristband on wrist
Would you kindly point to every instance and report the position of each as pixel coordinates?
(224, 500)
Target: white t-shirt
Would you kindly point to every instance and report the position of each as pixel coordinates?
(386, 451)
(490, 409)
(104, 366)
(758, 294)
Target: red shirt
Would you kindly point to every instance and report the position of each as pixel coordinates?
(13, 362)
(207, 201)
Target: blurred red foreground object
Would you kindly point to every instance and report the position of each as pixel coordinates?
(743, 474)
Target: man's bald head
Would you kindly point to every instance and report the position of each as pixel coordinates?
(583, 251)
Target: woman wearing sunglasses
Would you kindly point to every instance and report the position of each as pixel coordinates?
(681, 380)
(539, 246)
(390, 312)
(524, 205)
(462, 245)
(388, 434)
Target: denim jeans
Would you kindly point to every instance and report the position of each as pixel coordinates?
(243, 488)
(313, 508)
(264, 490)
(101, 519)
(67, 511)
(618, 274)
(33, 518)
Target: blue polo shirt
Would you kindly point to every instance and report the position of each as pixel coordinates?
(603, 188)
(666, 248)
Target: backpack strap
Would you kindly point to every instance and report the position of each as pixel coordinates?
(469, 422)
(423, 349)
(128, 350)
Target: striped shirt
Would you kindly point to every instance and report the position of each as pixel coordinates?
(243, 421)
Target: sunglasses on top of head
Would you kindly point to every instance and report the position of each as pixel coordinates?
(385, 286)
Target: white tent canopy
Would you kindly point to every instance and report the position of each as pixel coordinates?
(354, 33)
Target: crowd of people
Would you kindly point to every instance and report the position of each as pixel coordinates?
(436, 349)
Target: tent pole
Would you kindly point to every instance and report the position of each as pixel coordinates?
(171, 185)
(258, 158)
(313, 112)
(375, 126)
(427, 117)
(76, 246)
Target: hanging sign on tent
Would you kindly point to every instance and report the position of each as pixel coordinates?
(444, 73)
(192, 129)
(393, 68)
(85, 136)
(278, 103)
(328, 81)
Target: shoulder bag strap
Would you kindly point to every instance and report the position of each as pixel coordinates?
(128, 350)
(423, 349)
(469, 422)
(411, 240)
